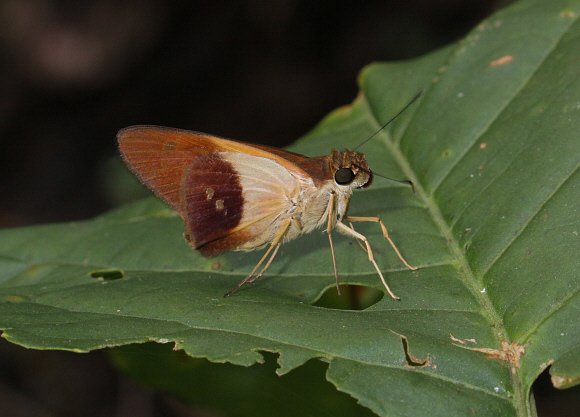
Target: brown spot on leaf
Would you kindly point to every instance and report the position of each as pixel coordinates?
(501, 61)
(510, 353)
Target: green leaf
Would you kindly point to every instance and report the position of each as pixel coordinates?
(493, 150)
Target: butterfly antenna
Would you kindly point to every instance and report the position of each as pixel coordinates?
(414, 99)
(409, 183)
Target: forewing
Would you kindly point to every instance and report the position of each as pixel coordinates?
(161, 156)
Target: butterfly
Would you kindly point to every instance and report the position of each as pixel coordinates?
(236, 196)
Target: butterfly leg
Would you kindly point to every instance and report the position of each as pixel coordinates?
(329, 227)
(356, 240)
(385, 235)
(275, 245)
(351, 232)
(267, 263)
(278, 238)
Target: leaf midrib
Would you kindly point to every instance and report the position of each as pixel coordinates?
(464, 269)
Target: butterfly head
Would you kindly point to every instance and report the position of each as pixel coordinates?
(350, 169)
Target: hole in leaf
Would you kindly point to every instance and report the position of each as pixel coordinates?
(107, 274)
(354, 297)
(410, 359)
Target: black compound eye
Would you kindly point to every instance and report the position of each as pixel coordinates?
(343, 176)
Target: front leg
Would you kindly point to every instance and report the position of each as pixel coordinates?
(385, 234)
(353, 233)
(329, 226)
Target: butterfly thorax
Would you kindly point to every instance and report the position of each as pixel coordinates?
(334, 179)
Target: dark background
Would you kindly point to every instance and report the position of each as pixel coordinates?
(73, 73)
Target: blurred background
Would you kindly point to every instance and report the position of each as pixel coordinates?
(73, 73)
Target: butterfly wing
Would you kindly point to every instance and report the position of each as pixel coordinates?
(159, 156)
(231, 201)
(228, 193)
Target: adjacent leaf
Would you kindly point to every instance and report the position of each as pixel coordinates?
(237, 390)
(493, 150)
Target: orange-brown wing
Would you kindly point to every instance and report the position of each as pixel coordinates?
(160, 156)
(228, 193)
